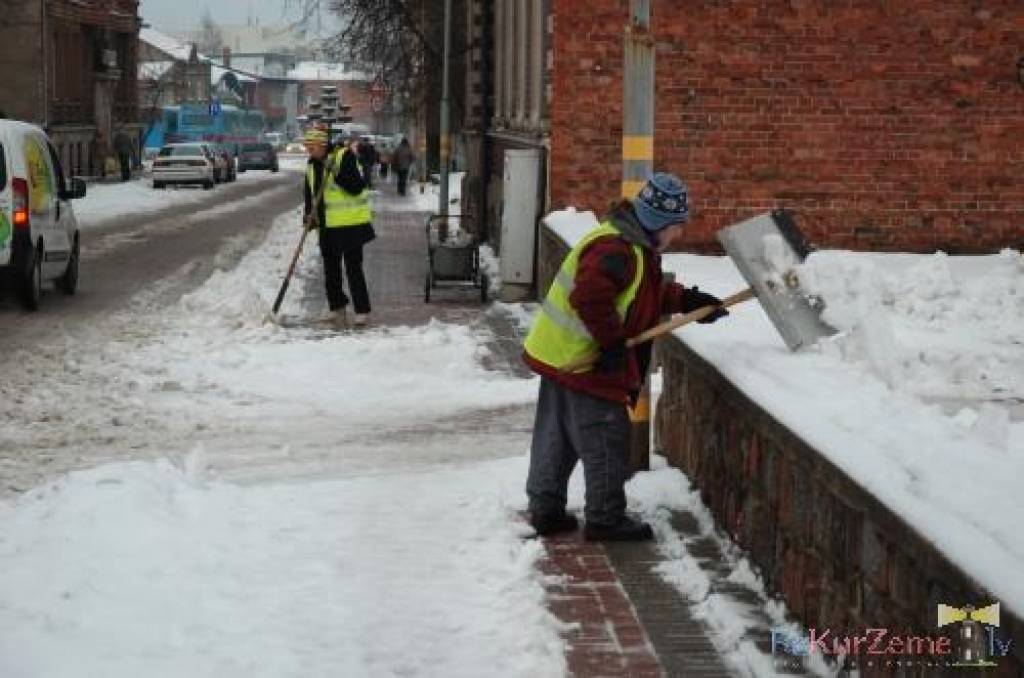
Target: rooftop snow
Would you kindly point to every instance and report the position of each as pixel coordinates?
(165, 43)
(320, 70)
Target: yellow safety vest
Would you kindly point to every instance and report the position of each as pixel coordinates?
(558, 336)
(341, 209)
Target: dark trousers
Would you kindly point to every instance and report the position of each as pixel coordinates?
(126, 166)
(571, 425)
(368, 175)
(403, 178)
(335, 248)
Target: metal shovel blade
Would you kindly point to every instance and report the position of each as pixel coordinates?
(766, 249)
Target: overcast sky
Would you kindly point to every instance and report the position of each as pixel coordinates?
(170, 15)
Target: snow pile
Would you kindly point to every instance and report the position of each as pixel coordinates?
(571, 225)
(104, 202)
(145, 569)
(941, 327)
(921, 390)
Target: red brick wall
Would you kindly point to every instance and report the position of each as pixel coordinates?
(882, 125)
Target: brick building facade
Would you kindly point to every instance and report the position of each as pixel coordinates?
(882, 125)
(70, 66)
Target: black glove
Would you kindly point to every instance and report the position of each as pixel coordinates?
(694, 299)
(612, 359)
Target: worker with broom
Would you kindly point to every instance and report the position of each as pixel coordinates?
(609, 288)
(344, 219)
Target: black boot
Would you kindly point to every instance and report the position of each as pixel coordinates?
(547, 524)
(626, 529)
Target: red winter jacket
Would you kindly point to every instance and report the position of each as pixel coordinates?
(606, 268)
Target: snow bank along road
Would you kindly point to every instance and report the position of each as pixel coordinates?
(130, 251)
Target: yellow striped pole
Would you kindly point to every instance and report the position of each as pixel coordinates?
(637, 166)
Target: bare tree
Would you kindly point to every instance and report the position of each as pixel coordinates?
(211, 39)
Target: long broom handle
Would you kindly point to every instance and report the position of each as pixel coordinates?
(660, 329)
(307, 226)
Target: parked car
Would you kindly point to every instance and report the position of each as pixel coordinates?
(39, 239)
(185, 163)
(226, 170)
(257, 156)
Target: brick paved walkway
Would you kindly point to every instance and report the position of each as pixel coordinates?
(624, 619)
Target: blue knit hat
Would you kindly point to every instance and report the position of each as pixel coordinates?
(661, 202)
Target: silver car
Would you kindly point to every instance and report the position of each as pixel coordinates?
(185, 163)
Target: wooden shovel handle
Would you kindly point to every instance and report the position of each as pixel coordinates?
(672, 323)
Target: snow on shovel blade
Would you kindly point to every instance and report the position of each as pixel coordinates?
(767, 249)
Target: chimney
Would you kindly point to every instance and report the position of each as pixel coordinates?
(226, 57)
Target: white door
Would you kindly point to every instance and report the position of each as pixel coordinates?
(59, 248)
(520, 206)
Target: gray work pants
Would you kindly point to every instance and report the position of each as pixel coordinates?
(571, 425)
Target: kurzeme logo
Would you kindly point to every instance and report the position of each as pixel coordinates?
(977, 642)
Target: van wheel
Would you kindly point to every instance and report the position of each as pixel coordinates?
(30, 283)
(68, 283)
(158, 184)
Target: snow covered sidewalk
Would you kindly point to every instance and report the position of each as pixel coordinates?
(147, 569)
(371, 529)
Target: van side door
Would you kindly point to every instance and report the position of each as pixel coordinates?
(64, 225)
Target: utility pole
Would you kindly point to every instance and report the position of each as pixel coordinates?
(442, 207)
(637, 166)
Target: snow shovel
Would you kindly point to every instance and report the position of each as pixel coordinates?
(665, 327)
(767, 249)
(307, 226)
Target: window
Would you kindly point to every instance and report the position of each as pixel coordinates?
(168, 151)
(57, 169)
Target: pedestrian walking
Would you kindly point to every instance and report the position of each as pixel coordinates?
(124, 150)
(609, 288)
(403, 159)
(344, 220)
(367, 160)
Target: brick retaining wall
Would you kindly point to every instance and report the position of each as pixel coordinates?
(840, 558)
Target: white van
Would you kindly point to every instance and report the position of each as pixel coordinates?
(38, 230)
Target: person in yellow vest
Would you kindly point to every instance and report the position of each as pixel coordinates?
(609, 288)
(345, 222)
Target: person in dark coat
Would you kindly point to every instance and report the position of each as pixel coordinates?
(124, 150)
(402, 161)
(339, 243)
(609, 288)
(367, 160)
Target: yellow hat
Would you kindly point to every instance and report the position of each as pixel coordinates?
(315, 137)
